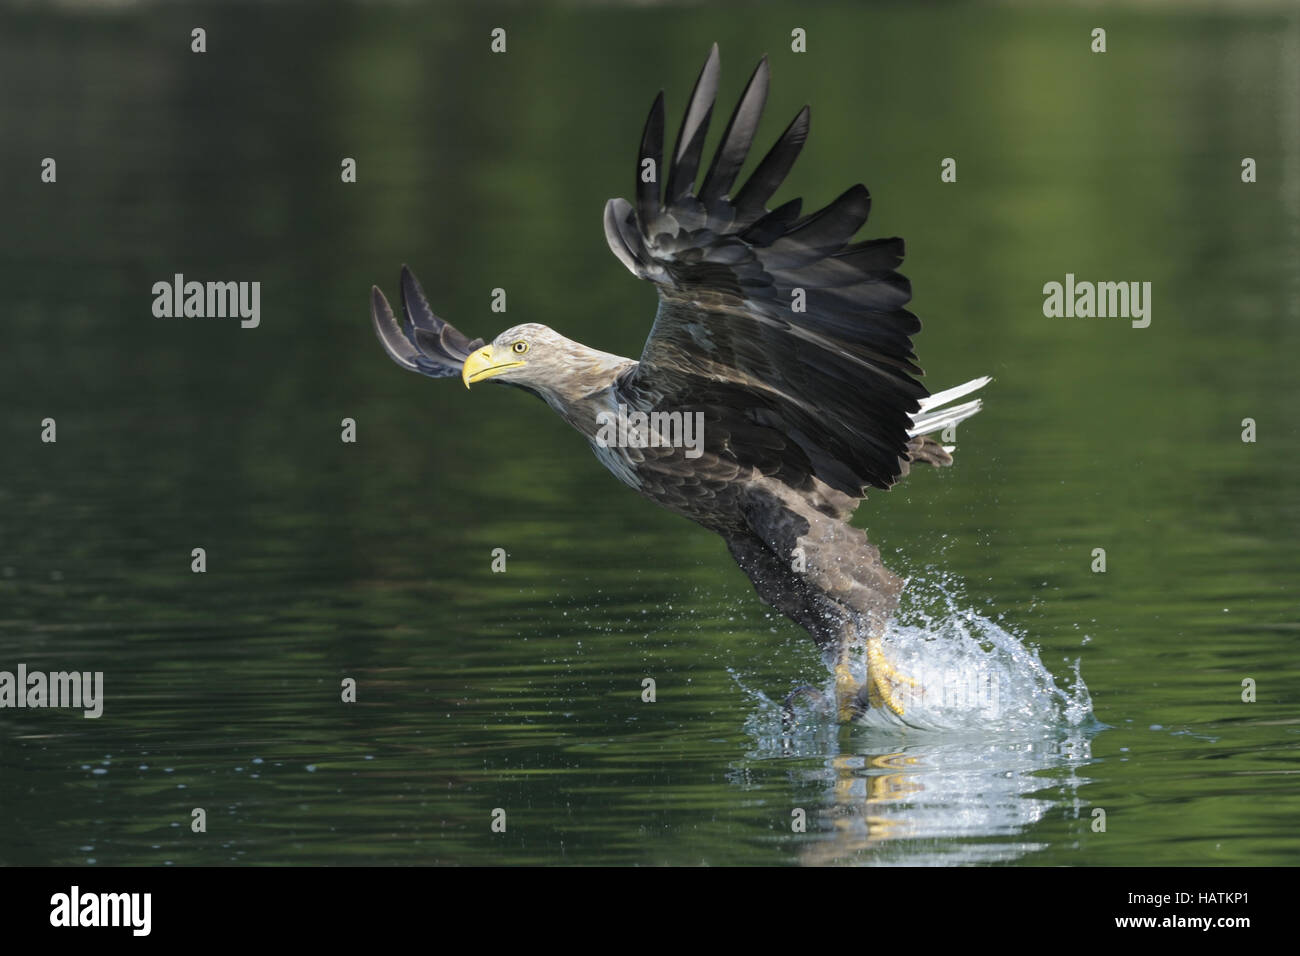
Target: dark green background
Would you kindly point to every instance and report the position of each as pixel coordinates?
(522, 690)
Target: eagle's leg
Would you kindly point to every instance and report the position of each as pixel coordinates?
(847, 702)
(825, 575)
(781, 587)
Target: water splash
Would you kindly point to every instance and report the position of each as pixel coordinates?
(972, 673)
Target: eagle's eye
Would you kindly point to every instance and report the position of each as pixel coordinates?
(521, 346)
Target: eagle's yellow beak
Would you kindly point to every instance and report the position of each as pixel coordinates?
(481, 365)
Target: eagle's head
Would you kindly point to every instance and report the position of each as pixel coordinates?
(541, 360)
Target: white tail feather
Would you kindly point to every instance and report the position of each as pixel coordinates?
(947, 395)
(933, 418)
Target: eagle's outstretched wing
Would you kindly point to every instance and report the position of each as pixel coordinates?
(800, 329)
(422, 342)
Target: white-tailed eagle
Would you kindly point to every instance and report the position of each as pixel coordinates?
(781, 349)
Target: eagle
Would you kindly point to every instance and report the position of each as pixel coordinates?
(777, 385)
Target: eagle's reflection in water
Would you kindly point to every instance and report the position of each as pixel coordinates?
(940, 802)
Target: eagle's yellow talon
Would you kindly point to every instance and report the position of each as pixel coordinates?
(877, 664)
(881, 687)
(881, 694)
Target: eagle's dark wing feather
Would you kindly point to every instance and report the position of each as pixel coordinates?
(802, 330)
(421, 342)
